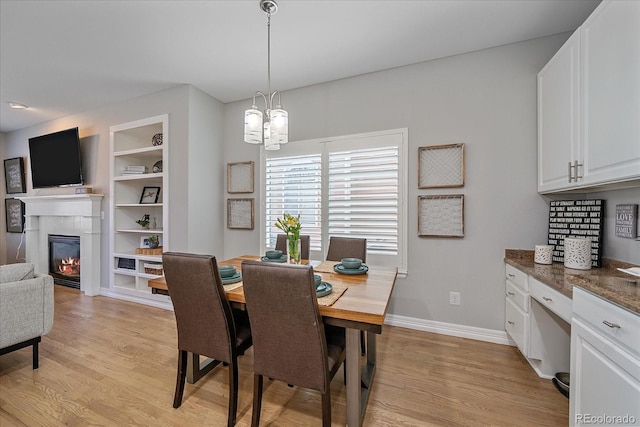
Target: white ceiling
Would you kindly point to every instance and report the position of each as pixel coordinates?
(65, 57)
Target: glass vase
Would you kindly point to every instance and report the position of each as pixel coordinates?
(293, 249)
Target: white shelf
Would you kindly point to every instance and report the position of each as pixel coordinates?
(124, 271)
(153, 151)
(138, 177)
(140, 231)
(134, 205)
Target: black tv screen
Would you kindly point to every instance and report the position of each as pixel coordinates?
(55, 159)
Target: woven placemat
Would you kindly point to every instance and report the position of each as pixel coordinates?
(328, 300)
(326, 267)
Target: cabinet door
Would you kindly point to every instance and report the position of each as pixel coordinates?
(558, 116)
(611, 92)
(604, 380)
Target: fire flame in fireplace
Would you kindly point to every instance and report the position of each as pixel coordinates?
(69, 266)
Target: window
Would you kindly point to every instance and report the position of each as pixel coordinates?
(351, 186)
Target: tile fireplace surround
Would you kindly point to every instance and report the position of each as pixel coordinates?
(71, 215)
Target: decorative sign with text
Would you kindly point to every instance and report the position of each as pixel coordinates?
(576, 218)
(627, 221)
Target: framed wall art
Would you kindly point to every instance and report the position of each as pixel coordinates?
(240, 213)
(14, 210)
(14, 175)
(441, 216)
(240, 177)
(441, 166)
(149, 195)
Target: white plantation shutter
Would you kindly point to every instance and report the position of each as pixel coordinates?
(352, 186)
(293, 185)
(363, 197)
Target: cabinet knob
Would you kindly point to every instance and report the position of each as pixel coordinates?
(510, 294)
(611, 325)
(547, 299)
(511, 275)
(510, 322)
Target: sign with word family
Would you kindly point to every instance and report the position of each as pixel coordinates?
(627, 221)
(576, 218)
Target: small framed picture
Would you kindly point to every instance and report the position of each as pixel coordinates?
(441, 216)
(14, 175)
(240, 213)
(149, 195)
(441, 166)
(14, 210)
(240, 177)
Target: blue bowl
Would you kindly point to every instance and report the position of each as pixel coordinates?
(317, 278)
(275, 254)
(351, 263)
(226, 271)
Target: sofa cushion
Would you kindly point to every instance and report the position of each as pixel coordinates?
(16, 272)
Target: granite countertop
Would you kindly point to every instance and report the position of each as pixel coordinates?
(606, 282)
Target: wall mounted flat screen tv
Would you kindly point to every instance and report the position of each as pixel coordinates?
(55, 159)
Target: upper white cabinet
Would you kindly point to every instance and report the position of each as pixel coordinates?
(589, 103)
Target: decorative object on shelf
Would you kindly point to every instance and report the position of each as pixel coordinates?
(441, 216)
(627, 221)
(134, 170)
(272, 128)
(149, 195)
(154, 241)
(154, 268)
(157, 167)
(576, 218)
(14, 211)
(127, 263)
(151, 241)
(144, 221)
(154, 223)
(14, 176)
(157, 139)
(577, 253)
(240, 177)
(441, 166)
(543, 254)
(149, 251)
(240, 213)
(84, 190)
(291, 226)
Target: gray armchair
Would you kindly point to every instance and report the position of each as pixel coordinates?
(26, 308)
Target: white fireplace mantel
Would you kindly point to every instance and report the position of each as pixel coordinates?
(73, 215)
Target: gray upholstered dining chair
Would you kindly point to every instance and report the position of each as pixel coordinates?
(207, 325)
(281, 245)
(290, 341)
(348, 247)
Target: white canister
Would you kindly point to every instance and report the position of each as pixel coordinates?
(543, 254)
(577, 253)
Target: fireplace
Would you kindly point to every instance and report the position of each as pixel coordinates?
(64, 260)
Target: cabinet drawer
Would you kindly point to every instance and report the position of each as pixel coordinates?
(516, 325)
(552, 299)
(621, 325)
(516, 277)
(518, 296)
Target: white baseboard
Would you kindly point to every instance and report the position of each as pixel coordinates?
(132, 298)
(462, 331)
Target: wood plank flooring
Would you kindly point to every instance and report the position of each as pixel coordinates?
(113, 363)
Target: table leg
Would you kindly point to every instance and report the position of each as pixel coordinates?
(354, 392)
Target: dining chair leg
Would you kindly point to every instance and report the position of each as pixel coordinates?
(181, 377)
(257, 400)
(326, 408)
(233, 393)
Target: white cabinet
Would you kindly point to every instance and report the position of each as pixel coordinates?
(559, 117)
(589, 103)
(517, 308)
(138, 146)
(605, 363)
(610, 80)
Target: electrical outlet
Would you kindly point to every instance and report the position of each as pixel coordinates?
(454, 298)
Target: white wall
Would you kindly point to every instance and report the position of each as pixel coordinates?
(487, 100)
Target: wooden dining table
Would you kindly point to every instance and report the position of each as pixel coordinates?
(362, 307)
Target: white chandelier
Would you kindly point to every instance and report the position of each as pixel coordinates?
(272, 127)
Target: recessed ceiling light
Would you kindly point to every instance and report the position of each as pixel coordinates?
(18, 106)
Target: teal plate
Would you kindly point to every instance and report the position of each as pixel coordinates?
(323, 289)
(339, 268)
(283, 258)
(232, 279)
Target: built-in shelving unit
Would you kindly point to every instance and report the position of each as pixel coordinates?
(132, 145)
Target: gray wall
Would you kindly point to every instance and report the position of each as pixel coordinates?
(486, 99)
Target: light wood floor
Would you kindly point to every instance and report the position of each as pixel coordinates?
(110, 362)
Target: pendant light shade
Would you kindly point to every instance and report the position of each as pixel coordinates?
(270, 127)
